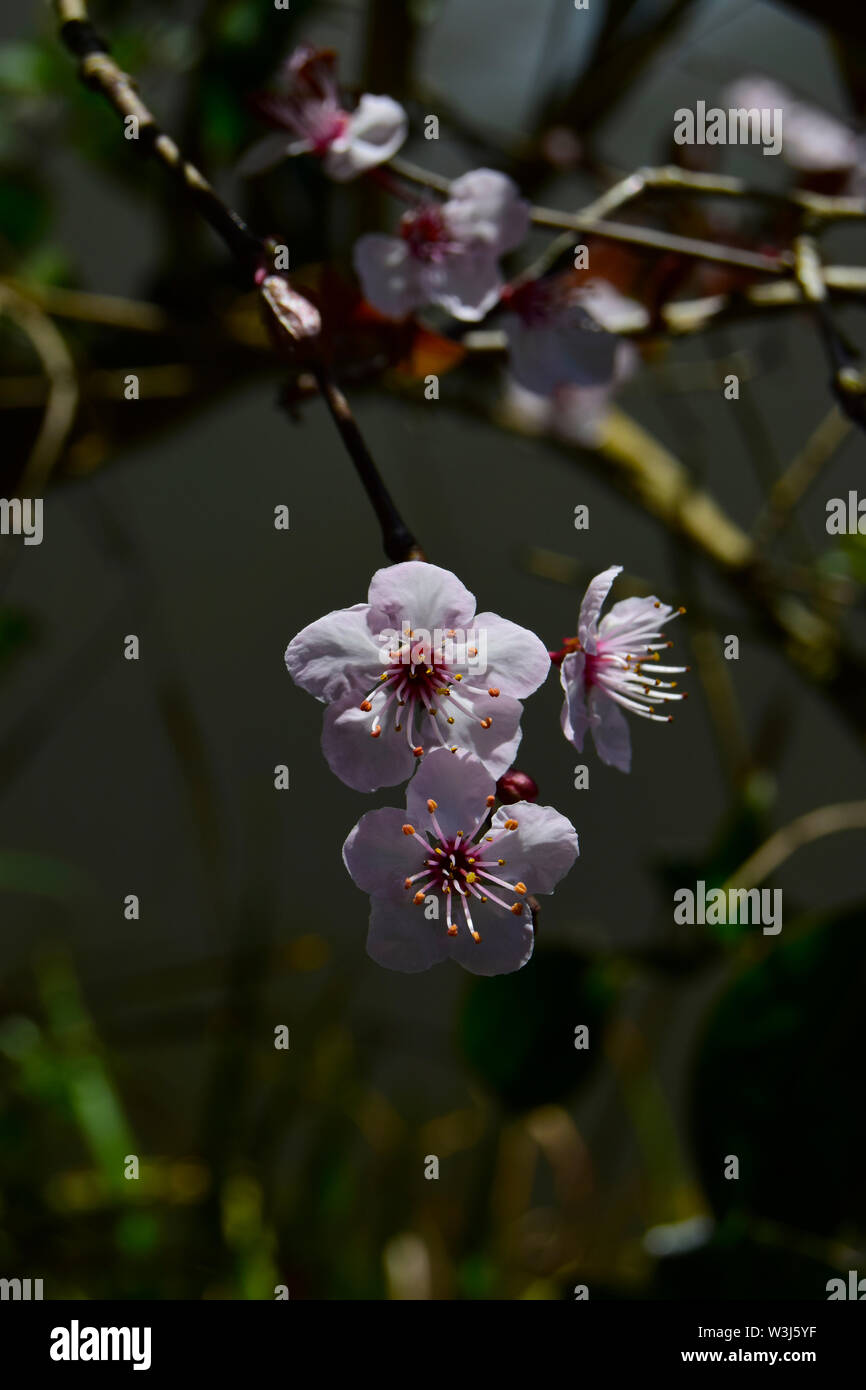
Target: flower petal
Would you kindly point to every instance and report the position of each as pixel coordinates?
(335, 656)
(570, 349)
(517, 660)
(574, 718)
(375, 131)
(541, 850)
(379, 856)
(401, 938)
(596, 593)
(359, 760)
(458, 783)
(264, 154)
(388, 274)
(423, 595)
(610, 731)
(494, 746)
(485, 205)
(632, 615)
(506, 940)
(466, 284)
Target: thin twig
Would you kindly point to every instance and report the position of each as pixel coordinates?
(397, 540)
(62, 388)
(827, 820)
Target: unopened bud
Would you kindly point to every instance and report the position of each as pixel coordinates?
(516, 786)
(288, 310)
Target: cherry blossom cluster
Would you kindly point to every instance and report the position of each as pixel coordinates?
(562, 333)
(405, 700)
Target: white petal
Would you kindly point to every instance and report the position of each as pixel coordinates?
(401, 938)
(379, 856)
(596, 593)
(467, 284)
(458, 783)
(517, 661)
(336, 655)
(423, 595)
(485, 205)
(264, 154)
(541, 850)
(376, 130)
(610, 731)
(389, 274)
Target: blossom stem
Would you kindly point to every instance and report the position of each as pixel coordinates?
(98, 70)
(397, 540)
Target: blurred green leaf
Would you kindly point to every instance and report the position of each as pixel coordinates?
(517, 1032)
(777, 1083)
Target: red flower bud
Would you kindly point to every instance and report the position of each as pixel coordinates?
(516, 786)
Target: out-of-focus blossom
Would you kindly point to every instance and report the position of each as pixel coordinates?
(813, 141)
(447, 253)
(563, 332)
(309, 117)
(449, 878)
(413, 668)
(576, 414)
(611, 666)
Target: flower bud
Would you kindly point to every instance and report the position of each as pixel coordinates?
(516, 786)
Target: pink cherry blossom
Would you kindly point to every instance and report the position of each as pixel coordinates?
(412, 669)
(449, 877)
(611, 666)
(575, 414)
(813, 141)
(447, 253)
(308, 109)
(562, 332)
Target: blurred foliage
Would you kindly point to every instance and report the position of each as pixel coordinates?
(517, 1032)
(776, 1083)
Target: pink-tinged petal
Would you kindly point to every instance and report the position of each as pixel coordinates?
(812, 139)
(494, 746)
(466, 284)
(265, 154)
(506, 940)
(460, 786)
(596, 593)
(541, 850)
(375, 131)
(615, 312)
(423, 595)
(485, 205)
(358, 759)
(631, 614)
(574, 718)
(587, 347)
(610, 732)
(401, 938)
(517, 660)
(389, 275)
(379, 856)
(335, 656)
(570, 350)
